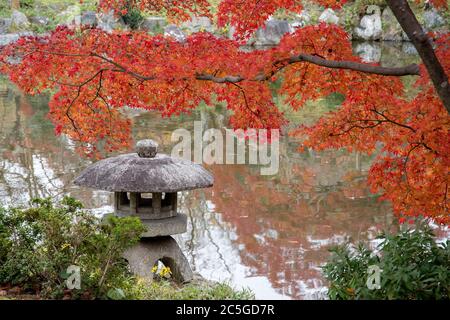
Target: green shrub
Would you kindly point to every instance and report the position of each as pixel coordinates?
(27, 3)
(413, 266)
(40, 243)
(167, 290)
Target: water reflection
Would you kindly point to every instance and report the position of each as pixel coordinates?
(270, 233)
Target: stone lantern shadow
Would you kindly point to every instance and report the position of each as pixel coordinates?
(146, 185)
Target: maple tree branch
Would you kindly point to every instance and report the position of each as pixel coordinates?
(68, 111)
(122, 68)
(348, 130)
(226, 79)
(246, 101)
(393, 121)
(409, 70)
(85, 82)
(99, 87)
(412, 69)
(408, 21)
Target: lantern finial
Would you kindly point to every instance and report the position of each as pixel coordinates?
(146, 148)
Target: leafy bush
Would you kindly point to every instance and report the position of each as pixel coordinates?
(166, 290)
(37, 245)
(413, 266)
(27, 3)
(133, 18)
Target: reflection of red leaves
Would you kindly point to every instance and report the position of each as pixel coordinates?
(254, 205)
(58, 129)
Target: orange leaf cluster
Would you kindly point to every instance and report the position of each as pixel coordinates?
(247, 16)
(97, 74)
(412, 137)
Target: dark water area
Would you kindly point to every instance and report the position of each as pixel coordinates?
(268, 233)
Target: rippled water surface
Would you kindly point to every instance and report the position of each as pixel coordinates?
(269, 233)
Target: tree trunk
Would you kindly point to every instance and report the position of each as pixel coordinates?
(423, 45)
(15, 4)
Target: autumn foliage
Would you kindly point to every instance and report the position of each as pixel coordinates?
(96, 74)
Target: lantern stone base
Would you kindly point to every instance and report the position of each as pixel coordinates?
(164, 227)
(143, 256)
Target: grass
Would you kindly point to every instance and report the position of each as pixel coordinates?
(165, 290)
(46, 8)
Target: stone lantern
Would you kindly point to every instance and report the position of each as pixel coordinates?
(145, 185)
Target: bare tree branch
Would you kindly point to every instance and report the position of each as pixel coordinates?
(412, 69)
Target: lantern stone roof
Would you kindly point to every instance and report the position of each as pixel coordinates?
(145, 171)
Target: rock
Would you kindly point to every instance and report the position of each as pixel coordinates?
(57, 6)
(391, 30)
(370, 25)
(89, 18)
(329, 16)
(271, 34)
(432, 19)
(19, 21)
(40, 21)
(109, 22)
(6, 39)
(70, 16)
(5, 24)
(153, 24)
(368, 51)
(173, 31)
(198, 24)
(301, 20)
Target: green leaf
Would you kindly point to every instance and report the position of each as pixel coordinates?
(116, 294)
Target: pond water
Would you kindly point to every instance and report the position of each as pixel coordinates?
(268, 233)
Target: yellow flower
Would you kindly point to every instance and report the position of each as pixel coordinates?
(154, 269)
(65, 245)
(165, 272)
